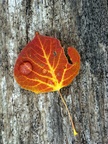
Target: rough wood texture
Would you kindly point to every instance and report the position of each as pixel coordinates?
(27, 118)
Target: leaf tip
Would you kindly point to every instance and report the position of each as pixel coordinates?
(36, 33)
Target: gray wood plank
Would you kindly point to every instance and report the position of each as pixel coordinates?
(27, 118)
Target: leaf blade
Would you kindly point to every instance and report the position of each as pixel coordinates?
(50, 68)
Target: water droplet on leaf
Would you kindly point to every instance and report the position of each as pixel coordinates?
(50, 82)
(25, 68)
(44, 71)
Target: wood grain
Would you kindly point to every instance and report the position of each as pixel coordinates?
(27, 118)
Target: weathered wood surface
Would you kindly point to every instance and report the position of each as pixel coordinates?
(27, 118)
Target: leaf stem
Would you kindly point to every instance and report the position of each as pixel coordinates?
(70, 117)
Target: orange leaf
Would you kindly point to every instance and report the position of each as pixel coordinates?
(43, 67)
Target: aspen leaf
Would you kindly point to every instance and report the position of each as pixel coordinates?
(42, 65)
